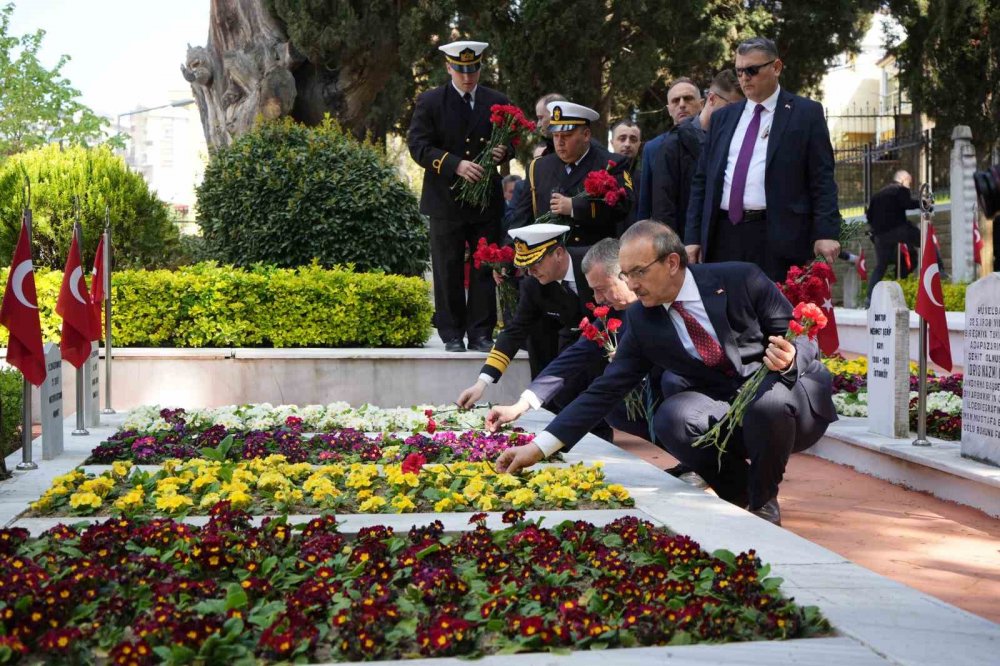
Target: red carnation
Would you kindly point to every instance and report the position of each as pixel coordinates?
(413, 463)
(613, 324)
(601, 311)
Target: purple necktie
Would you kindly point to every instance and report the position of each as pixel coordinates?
(742, 167)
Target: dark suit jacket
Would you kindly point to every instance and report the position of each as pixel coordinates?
(442, 134)
(644, 200)
(592, 220)
(887, 209)
(675, 166)
(744, 307)
(536, 301)
(798, 179)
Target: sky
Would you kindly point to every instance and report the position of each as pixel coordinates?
(125, 54)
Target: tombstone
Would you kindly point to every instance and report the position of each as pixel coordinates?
(981, 385)
(963, 204)
(889, 362)
(50, 404)
(92, 388)
(850, 285)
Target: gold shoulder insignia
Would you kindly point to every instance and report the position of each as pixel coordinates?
(628, 180)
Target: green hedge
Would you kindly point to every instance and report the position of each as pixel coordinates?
(954, 294)
(10, 397)
(206, 305)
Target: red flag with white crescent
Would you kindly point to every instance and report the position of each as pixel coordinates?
(977, 241)
(75, 309)
(19, 314)
(862, 267)
(828, 338)
(97, 288)
(930, 303)
(905, 252)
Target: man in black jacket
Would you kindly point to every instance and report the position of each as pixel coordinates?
(450, 127)
(556, 287)
(886, 215)
(678, 154)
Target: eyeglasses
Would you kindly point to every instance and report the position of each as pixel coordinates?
(716, 93)
(752, 70)
(637, 273)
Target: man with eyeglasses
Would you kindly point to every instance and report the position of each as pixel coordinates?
(677, 159)
(764, 191)
(683, 102)
(713, 326)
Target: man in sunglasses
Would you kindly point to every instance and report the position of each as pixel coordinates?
(678, 158)
(764, 191)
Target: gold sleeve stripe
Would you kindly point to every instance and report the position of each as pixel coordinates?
(499, 355)
(593, 209)
(438, 163)
(493, 363)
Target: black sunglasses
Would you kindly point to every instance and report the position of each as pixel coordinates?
(752, 70)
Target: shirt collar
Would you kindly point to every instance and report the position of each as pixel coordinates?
(569, 277)
(581, 157)
(462, 94)
(769, 104)
(689, 290)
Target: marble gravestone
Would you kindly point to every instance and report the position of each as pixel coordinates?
(981, 385)
(92, 388)
(50, 408)
(888, 362)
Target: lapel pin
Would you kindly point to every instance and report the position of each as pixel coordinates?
(719, 291)
(788, 106)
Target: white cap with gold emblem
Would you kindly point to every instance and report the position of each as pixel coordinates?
(533, 241)
(465, 57)
(567, 116)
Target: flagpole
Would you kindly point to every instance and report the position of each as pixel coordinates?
(81, 424)
(26, 462)
(106, 259)
(926, 210)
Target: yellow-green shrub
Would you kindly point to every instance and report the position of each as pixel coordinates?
(220, 306)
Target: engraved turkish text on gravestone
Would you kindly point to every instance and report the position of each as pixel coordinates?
(981, 384)
(888, 361)
(51, 404)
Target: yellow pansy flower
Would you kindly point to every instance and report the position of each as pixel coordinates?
(372, 504)
(172, 502)
(402, 504)
(85, 500)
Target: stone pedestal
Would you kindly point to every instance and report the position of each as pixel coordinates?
(963, 204)
(888, 361)
(981, 387)
(92, 388)
(50, 404)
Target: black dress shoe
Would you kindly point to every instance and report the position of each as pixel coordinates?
(688, 476)
(771, 512)
(481, 345)
(455, 345)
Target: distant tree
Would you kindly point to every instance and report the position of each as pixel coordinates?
(949, 61)
(38, 105)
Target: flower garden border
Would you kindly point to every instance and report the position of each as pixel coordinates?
(877, 620)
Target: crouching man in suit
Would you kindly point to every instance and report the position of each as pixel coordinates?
(712, 325)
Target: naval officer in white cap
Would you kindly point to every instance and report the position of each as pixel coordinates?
(450, 126)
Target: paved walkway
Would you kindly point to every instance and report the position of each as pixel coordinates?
(949, 551)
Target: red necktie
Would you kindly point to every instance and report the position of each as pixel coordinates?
(707, 346)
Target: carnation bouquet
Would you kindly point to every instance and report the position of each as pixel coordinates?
(639, 401)
(808, 284)
(501, 260)
(509, 125)
(597, 186)
(807, 319)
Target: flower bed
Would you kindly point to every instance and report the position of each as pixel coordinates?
(148, 591)
(343, 446)
(274, 485)
(944, 395)
(151, 419)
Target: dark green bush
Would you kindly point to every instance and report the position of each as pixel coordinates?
(144, 236)
(286, 194)
(11, 399)
(219, 306)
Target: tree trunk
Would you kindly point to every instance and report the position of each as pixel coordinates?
(244, 71)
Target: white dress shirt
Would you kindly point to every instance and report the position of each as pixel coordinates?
(753, 194)
(461, 93)
(570, 279)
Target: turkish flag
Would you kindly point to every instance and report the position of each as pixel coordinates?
(977, 241)
(19, 314)
(828, 338)
(930, 303)
(862, 267)
(75, 309)
(905, 252)
(97, 288)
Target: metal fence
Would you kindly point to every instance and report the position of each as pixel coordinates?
(870, 145)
